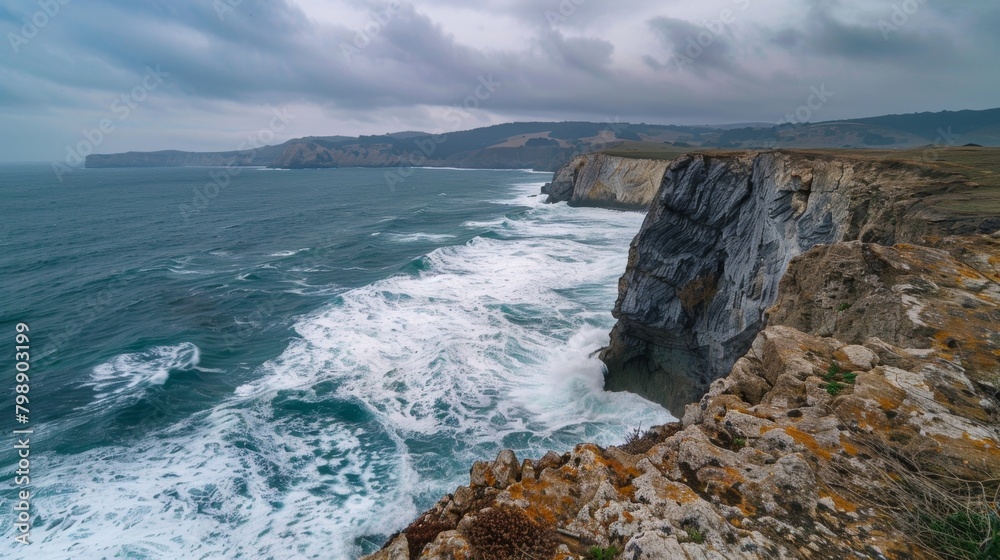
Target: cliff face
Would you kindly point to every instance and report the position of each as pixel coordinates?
(607, 181)
(814, 447)
(862, 422)
(717, 239)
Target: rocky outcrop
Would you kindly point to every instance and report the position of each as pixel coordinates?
(717, 239)
(861, 431)
(607, 181)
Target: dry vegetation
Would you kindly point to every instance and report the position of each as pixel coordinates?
(422, 532)
(954, 516)
(507, 533)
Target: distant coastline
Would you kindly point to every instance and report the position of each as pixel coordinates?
(544, 146)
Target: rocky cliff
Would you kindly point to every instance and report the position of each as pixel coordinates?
(812, 447)
(607, 181)
(718, 236)
(860, 422)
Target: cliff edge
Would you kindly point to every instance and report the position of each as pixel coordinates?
(607, 181)
(718, 237)
(853, 307)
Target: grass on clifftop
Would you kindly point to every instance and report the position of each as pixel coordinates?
(981, 165)
(650, 150)
(977, 165)
(964, 535)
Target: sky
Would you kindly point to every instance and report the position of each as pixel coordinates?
(207, 75)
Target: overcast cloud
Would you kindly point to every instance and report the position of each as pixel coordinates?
(355, 67)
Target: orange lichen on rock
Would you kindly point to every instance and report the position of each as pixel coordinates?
(987, 445)
(807, 441)
(971, 339)
(839, 501)
(848, 447)
(675, 491)
(544, 504)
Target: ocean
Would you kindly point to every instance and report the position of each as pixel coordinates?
(292, 364)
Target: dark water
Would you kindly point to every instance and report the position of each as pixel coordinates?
(303, 364)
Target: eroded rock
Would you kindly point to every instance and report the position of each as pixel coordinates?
(717, 239)
(607, 181)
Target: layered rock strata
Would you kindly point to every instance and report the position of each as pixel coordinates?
(717, 239)
(607, 181)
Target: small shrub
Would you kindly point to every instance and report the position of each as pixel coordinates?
(844, 306)
(964, 535)
(695, 535)
(599, 553)
(739, 443)
(836, 378)
(422, 532)
(505, 532)
(638, 442)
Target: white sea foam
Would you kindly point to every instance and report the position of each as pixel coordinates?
(150, 367)
(288, 253)
(491, 346)
(414, 237)
(198, 491)
(183, 271)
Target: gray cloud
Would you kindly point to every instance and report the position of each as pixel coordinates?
(890, 38)
(595, 61)
(591, 55)
(694, 46)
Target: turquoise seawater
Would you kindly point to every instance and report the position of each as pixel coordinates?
(303, 364)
